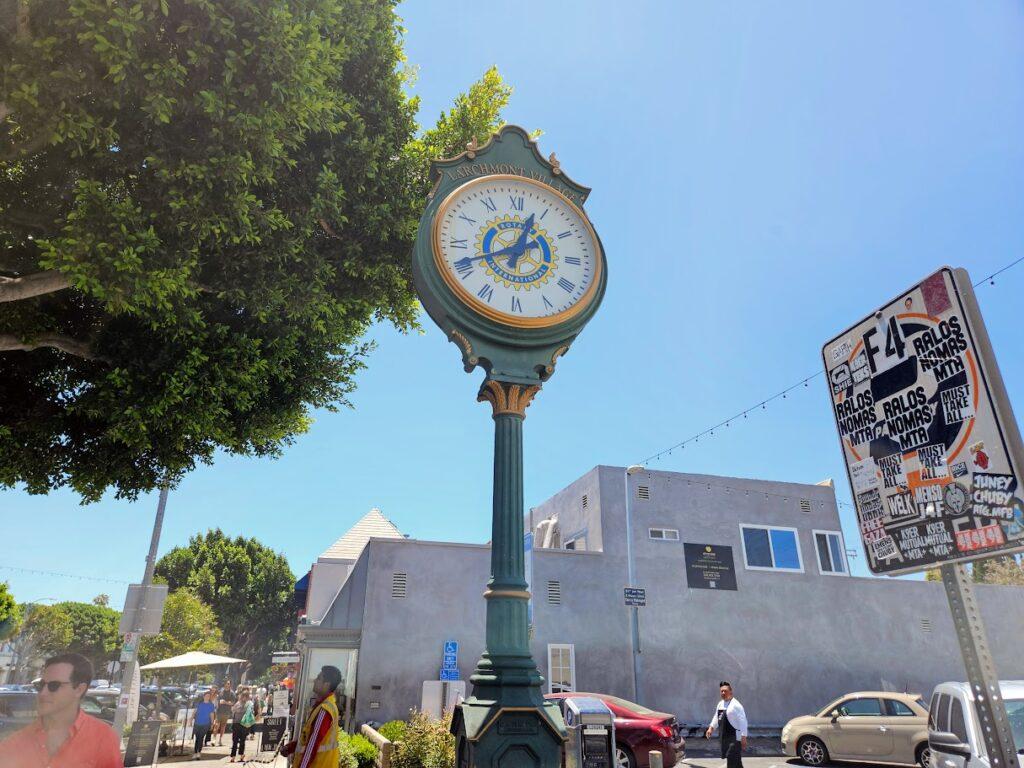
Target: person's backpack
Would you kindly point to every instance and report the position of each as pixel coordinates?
(248, 718)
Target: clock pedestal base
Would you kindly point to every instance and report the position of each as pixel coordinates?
(506, 723)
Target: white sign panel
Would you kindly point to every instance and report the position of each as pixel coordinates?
(930, 442)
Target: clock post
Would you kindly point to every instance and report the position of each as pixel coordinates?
(508, 265)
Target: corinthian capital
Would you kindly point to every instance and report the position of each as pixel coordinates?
(507, 398)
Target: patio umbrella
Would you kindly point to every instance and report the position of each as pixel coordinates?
(192, 659)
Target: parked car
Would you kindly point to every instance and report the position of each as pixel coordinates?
(953, 724)
(638, 731)
(876, 726)
(101, 703)
(17, 709)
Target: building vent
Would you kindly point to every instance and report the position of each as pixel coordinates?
(398, 584)
(805, 505)
(926, 625)
(584, 501)
(554, 593)
(643, 492)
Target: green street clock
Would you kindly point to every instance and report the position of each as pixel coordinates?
(507, 263)
(516, 251)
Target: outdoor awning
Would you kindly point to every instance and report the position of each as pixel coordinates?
(191, 659)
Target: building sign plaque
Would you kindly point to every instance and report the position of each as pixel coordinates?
(931, 446)
(709, 566)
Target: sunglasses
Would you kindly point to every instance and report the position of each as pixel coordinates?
(52, 686)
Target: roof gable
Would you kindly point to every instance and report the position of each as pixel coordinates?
(372, 525)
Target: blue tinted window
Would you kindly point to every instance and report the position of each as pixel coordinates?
(837, 557)
(755, 542)
(784, 549)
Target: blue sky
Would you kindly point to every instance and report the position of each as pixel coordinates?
(763, 175)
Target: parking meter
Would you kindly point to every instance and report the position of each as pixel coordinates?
(591, 728)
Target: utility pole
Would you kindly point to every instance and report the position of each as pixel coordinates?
(128, 672)
(634, 611)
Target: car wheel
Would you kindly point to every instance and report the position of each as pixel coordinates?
(812, 751)
(924, 755)
(624, 758)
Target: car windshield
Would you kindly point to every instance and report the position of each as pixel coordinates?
(1015, 714)
(632, 706)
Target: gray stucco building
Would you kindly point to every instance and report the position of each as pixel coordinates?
(795, 632)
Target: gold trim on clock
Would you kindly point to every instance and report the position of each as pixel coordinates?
(488, 311)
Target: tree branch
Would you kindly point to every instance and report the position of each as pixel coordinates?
(29, 219)
(11, 343)
(36, 284)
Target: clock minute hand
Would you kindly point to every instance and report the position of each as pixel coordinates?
(520, 245)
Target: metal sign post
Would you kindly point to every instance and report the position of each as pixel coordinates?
(934, 457)
(981, 671)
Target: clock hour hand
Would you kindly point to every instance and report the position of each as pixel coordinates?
(467, 261)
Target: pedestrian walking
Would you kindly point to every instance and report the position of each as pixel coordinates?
(62, 736)
(202, 722)
(317, 746)
(242, 720)
(731, 721)
(224, 703)
(214, 698)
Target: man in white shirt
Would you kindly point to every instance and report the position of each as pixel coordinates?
(731, 721)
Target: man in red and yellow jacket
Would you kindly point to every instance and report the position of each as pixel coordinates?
(317, 746)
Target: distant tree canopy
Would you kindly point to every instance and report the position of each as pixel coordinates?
(10, 612)
(93, 632)
(249, 587)
(203, 206)
(188, 624)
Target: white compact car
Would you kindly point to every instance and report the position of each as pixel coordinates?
(954, 733)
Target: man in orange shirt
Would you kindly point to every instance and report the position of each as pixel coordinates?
(63, 736)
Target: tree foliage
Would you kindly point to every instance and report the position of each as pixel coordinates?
(249, 587)
(46, 631)
(203, 206)
(188, 624)
(10, 612)
(1004, 569)
(93, 631)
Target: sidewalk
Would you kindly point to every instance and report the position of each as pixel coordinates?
(219, 756)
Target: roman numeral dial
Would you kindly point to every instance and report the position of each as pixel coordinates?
(516, 251)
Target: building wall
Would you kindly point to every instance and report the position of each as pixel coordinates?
(326, 578)
(789, 642)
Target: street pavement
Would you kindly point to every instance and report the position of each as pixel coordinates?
(764, 762)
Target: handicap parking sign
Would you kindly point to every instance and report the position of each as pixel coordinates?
(449, 674)
(450, 646)
(450, 660)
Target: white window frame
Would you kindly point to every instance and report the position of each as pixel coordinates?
(577, 536)
(572, 664)
(771, 549)
(663, 530)
(842, 551)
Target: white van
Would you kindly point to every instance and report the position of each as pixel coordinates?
(954, 730)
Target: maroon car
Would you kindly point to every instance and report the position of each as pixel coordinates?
(638, 731)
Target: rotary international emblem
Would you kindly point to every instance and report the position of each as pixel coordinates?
(518, 253)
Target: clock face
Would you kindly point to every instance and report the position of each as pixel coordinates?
(516, 251)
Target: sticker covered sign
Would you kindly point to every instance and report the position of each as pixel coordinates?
(930, 443)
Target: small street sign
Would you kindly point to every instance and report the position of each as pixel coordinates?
(131, 646)
(450, 674)
(635, 596)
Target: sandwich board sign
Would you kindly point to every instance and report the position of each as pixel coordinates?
(930, 443)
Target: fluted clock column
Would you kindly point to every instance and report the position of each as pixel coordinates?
(506, 660)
